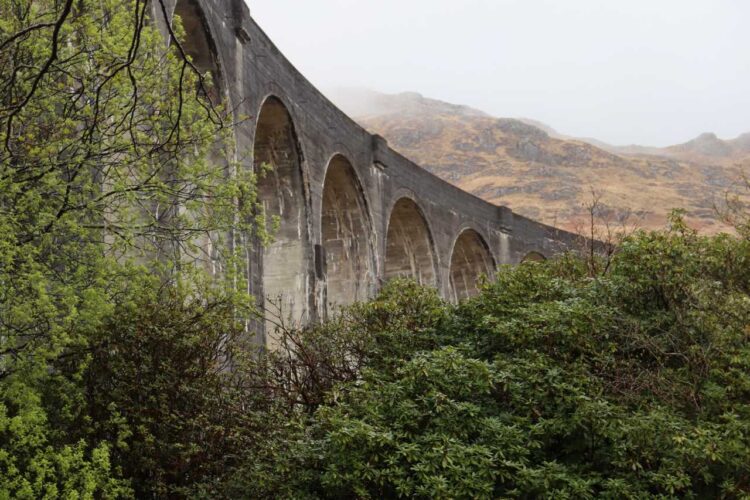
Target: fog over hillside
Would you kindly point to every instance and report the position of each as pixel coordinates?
(644, 72)
(364, 103)
(543, 173)
(360, 103)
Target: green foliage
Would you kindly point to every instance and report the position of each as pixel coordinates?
(108, 156)
(34, 465)
(422, 435)
(118, 380)
(164, 386)
(550, 383)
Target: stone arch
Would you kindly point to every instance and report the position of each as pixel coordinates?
(198, 43)
(470, 259)
(533, 257)
(345, 236)
(410, 251)
(284, 261)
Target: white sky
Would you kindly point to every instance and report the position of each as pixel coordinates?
(652, 72)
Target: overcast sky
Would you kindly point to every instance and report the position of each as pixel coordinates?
(652, 72)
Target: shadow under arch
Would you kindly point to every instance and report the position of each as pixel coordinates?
(470, 260)
(199, 45)
(345, 236)
(533, 257)
(196, 42)
(284, 262)
(410, 250)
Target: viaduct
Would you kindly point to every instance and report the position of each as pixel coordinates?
(353, 212)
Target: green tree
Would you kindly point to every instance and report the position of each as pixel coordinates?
(551, 383)
(166, 384)
(108, 148)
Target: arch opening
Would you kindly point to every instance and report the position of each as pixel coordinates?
(471, 259)
(345, 236)
(278, 163)
(409, 250)
(198, 44)
(533, 257)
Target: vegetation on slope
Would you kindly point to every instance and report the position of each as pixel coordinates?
(547, 176)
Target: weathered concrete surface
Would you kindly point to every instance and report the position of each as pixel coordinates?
(352, 211)
(410, 252)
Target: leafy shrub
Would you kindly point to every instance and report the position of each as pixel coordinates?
(550, 383)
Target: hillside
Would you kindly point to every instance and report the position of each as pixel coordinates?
(548, 176)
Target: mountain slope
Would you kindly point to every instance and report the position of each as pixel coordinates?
(542, 174)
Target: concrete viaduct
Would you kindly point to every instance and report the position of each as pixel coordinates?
(353, 213)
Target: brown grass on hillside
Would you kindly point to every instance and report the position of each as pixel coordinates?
(509, 162)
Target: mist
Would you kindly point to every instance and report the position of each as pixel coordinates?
(643, 72)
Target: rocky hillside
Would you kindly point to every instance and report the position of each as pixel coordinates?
(545, 175)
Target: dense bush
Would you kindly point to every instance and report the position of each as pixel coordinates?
(548, 384)
(162, 384)
(106, 140)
